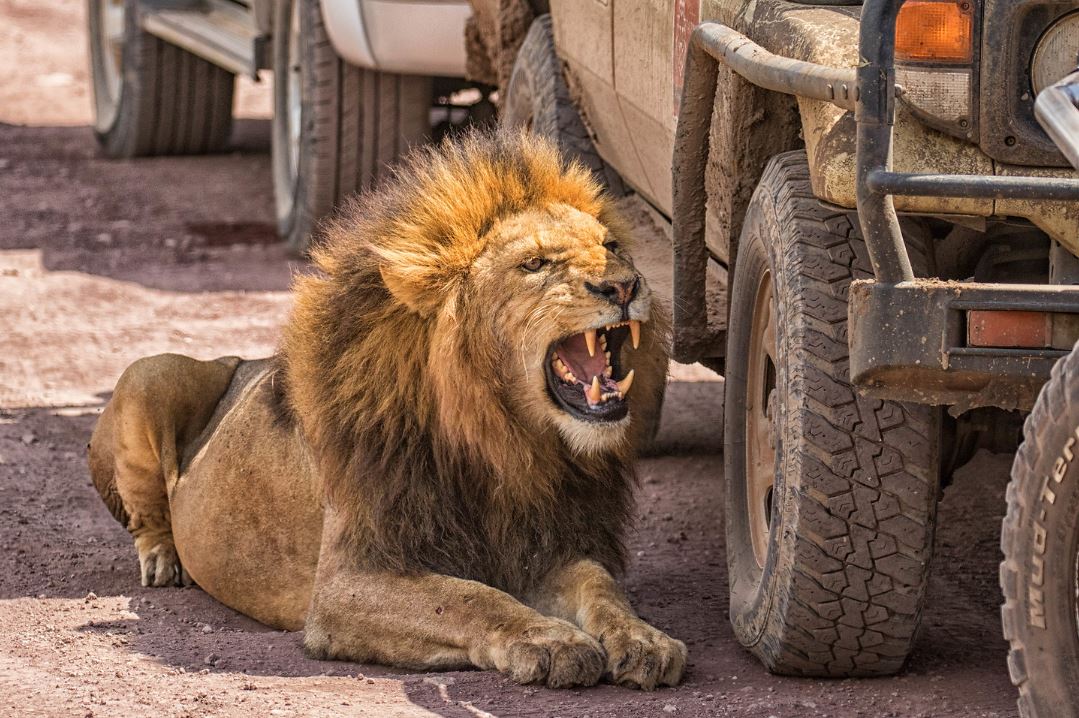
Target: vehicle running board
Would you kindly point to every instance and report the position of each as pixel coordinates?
(219, 31)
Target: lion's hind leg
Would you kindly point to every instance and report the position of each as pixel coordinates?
(140, 478)
(160, 404)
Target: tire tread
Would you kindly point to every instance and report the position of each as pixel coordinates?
(363, 121)
(849, 600)
(538, 90)
(172, 103)
(1041, 692)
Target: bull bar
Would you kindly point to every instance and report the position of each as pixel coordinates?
(906, 334)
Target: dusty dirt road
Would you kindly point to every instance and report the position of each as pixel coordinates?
(102, 262)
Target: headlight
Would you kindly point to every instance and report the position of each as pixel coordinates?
(1057, 52)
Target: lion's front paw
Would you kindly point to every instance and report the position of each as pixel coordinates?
(641, 656)
(553, 652)
(159, 564)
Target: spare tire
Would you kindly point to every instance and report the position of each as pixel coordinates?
(1040, 541)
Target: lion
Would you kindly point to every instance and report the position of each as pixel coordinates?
(436, 469)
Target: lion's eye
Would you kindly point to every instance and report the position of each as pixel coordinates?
(533, 264)
(611, 245)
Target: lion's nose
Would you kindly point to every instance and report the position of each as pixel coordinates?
(620, 293)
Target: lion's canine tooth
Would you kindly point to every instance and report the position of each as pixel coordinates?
(625, 384)
(635, 332)
(590, 341)
(593, 392)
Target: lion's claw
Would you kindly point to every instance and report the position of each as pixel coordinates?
(160, 566)
(641, 656)
(554, 653)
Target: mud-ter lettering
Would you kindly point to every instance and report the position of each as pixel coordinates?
(1047, 498)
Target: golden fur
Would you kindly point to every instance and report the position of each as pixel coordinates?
(414, 364)
(465, 519)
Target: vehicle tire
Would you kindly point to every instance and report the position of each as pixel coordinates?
(1040, 541)
(337, 128)
(150, 96)
(831, 496)
(538, 98)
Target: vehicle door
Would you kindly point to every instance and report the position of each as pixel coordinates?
(583, 36)
(649, 47)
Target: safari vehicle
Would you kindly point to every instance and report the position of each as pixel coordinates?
(875, 242)
(354, 85)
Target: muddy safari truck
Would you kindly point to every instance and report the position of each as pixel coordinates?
(875, 242)
(355, 84)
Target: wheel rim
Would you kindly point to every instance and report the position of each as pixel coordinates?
(294, 97)
(761, 405)
(288, 118)
(110, 29)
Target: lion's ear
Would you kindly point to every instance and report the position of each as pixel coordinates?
(416, 286)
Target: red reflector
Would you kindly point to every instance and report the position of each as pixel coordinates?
(1008, 329)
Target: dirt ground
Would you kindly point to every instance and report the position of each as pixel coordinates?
(102, 262)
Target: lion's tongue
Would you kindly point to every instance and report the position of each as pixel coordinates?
(574, 354)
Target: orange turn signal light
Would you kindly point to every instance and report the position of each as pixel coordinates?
(935, 31)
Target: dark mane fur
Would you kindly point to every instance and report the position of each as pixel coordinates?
(422, 494)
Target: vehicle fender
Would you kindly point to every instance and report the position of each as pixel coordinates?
(749, 126)
(344, 24)
(829, 36)
(422, 37)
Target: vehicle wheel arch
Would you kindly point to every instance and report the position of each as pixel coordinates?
(750, 125)
(746, 127)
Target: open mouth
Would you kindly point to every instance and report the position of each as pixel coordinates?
(584, 371)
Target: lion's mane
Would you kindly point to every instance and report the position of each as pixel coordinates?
(412, 429)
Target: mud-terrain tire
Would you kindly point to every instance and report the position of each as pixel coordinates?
(158, 99)
(337, 128)
(538, 98)
(1040, 541)
(837, 582)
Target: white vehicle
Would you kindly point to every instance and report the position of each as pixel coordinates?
(354, 85)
